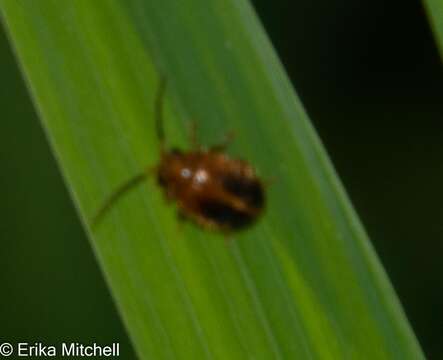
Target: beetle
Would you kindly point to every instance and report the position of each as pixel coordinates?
(210, 188)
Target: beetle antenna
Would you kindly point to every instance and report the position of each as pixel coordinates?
(118, 192)
(159, 100)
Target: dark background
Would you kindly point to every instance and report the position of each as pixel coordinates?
(369, 75)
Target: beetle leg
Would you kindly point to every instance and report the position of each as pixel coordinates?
(269, 180)
(121, 190)
(182, 220)
(193, 135)
(228, 239)
(221, 147)
(181, 216)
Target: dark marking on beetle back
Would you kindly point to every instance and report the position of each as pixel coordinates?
(251, 191)
(225, 215)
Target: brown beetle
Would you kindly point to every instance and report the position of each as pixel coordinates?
(211, 189)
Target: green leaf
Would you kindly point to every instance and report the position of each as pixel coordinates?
(302, 283)
(435, 13)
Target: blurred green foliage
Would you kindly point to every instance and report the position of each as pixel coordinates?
(370, 77)
(52, 290)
